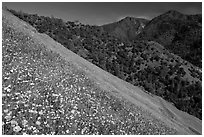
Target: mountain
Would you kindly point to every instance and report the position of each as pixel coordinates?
(179, 33)
(127, 28)
(142, 63)
(48, 89)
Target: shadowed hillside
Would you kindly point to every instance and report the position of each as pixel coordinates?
(181, 34)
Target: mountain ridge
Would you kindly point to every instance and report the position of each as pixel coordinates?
(177, 32)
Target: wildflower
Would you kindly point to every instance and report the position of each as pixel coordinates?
(25, 133)
(83, 130)
(38, 122)
(24, 122)
(8, 117)
(17, 129)
(73, 111)
(13, 123)
(6, 111)
(40, 112)
(29, 91)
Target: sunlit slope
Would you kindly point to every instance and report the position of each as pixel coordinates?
(48, 89)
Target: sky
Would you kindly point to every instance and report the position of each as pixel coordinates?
(100, 13)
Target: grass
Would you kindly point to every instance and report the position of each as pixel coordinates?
(44, 94)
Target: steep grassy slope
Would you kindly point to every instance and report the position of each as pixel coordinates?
(145, 64)
(48, 89)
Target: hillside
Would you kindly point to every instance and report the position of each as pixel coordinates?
(179, 33)
(126, 29)
(47, 89)
(142, 63)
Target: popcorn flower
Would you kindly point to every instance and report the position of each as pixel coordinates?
(17, 129)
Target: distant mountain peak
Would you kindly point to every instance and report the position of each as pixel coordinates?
(173, 12)
(127, 28)
(129, 18)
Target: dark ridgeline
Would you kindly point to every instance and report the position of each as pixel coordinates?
(134, 58)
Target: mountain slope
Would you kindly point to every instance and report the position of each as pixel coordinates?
(179, 33)
(126, 29)
(142, 63)
(48, 89)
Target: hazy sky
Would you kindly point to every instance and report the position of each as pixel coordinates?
(99, 13)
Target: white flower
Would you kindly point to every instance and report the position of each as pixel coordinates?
(83, 130)
(38, 122)
(40, 112)
(75, 107)
(73, 111)
(24, 122)
(6, 111)
(29, 91)
(55, 94)
(13, 123)
(8, 117)
(3, 95)
(17, 129)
